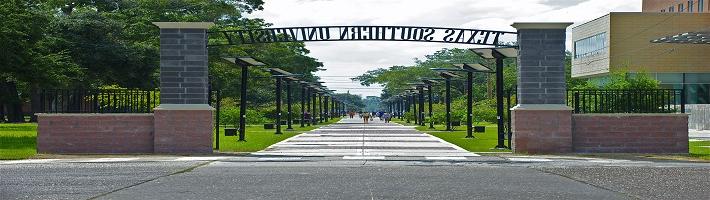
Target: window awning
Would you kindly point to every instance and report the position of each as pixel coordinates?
(686, 38)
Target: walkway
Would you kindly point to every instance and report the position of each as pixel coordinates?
(352, 139)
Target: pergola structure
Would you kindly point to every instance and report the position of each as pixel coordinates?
(282, 75)
(470, 68)
(447, 79)
(499, 54)
(429, 83)
(244, 63)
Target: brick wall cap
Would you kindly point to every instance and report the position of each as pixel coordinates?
(541, 25)
(184, 25)
(635, 114)
(93, 114)
(184, 107)
(541, 107)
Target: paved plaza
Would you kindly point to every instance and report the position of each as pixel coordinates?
(352, 139)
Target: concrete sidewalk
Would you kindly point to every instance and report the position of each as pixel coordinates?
(699, 134)
(353, 139)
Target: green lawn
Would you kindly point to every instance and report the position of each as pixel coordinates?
(700, 149)
(258, 139)
(483, 142)
(18, 141)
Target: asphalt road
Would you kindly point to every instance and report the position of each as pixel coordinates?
(352, 179)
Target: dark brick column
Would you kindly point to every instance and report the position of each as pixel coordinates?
(541, 63)
(542, 123)
(183, 62)
(183, 121)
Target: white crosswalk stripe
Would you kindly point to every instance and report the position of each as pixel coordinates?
(100, 160)
(376, 139)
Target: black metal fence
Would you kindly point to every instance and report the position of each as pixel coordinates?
(98, 101)
(627, 101)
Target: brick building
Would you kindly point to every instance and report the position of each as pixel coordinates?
(624, 41)
(680, 6)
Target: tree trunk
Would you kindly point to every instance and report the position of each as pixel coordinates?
(35, 100)
(2, 111)
(12, 101)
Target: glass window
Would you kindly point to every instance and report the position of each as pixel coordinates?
(701, 5)
(590, 46)
(691, 6)
(703, 78)
(669, 78)
(698, 93)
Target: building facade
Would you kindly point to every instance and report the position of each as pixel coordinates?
(676, 6)
(622, 41)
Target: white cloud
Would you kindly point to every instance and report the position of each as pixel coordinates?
(349, 59)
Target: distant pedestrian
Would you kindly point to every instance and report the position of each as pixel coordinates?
(387, 117)
(366, 117)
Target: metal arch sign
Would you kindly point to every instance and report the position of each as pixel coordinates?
(358, 33)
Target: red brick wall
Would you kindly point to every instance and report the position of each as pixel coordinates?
(95, 133)
(542, 131)
(183, 131)
(630, 133)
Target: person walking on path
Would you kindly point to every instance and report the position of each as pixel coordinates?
(366, 117)
(387, 117)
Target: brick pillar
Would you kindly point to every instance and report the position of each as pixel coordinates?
(183, 121)
(542, 123)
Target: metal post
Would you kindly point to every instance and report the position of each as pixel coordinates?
(308, 105)
(320, 108)
(414, 109)
(407, 107)
(314, 97)
(219, 105)
(303, 106)
(469, 105)
(448, 104)
(510, 119)
(278, 105)
(576, 102)
(431, 108)
(682, 96)
(243, 104)
(288, 103)
(499, 102)
(326, 115)
(421, 106)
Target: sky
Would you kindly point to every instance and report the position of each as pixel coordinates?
(346, 59)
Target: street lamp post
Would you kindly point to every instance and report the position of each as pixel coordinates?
(244, 62)
(499, 54)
